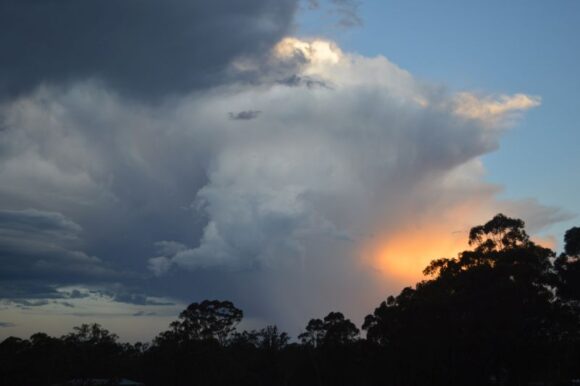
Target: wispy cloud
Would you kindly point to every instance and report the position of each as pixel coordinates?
(244, 115)
(348, 13)
(492, 109)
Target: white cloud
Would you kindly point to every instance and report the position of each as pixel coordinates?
(323, 170)
(493, 109)
(289, 201)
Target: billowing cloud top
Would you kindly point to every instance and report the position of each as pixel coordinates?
(306, 187)
(332, 165)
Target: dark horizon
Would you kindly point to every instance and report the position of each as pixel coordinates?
(505, 312)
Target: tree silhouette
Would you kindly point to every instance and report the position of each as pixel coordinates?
(500, 233)
(93, 351)
(568, 268)
(505, 312)
(572, 240)
(208, 320)
(333, 330)
(490, 310)
(271, 339)
(90, 334)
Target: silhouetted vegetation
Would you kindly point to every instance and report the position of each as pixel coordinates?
(506, 312)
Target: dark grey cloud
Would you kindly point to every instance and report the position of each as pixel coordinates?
(343, 13)
(40, 250)
(144, 313)
(43, 225)
(348, 13)
(138, 299)
(142, 47)
(309, 82)
(76, 294)
(34, 243)
(6, 324)
(245, 115)
(30, 303)
(18, 288)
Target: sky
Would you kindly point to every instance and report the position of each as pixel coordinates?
(295, 157)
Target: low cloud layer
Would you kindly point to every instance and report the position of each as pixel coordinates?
(290, 198)
(39, 248)
(245, 115)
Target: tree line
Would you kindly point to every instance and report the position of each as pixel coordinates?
(505, 312)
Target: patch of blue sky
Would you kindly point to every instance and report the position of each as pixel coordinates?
(497, 47)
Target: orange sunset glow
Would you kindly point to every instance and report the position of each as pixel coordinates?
(405, 254)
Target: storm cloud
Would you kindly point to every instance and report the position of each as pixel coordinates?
(145, 48)
(39, 248)
(280, 173)
(245, 115)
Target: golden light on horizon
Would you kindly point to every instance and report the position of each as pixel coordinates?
(546, 241)
(404, 255)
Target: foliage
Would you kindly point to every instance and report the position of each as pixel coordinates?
(568, 268)
(333, 330)
(492, 311)
(208, 320)
(506, 312)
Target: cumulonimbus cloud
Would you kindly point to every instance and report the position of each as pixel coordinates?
(333, 162)
(330, 180)
(309, 204)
